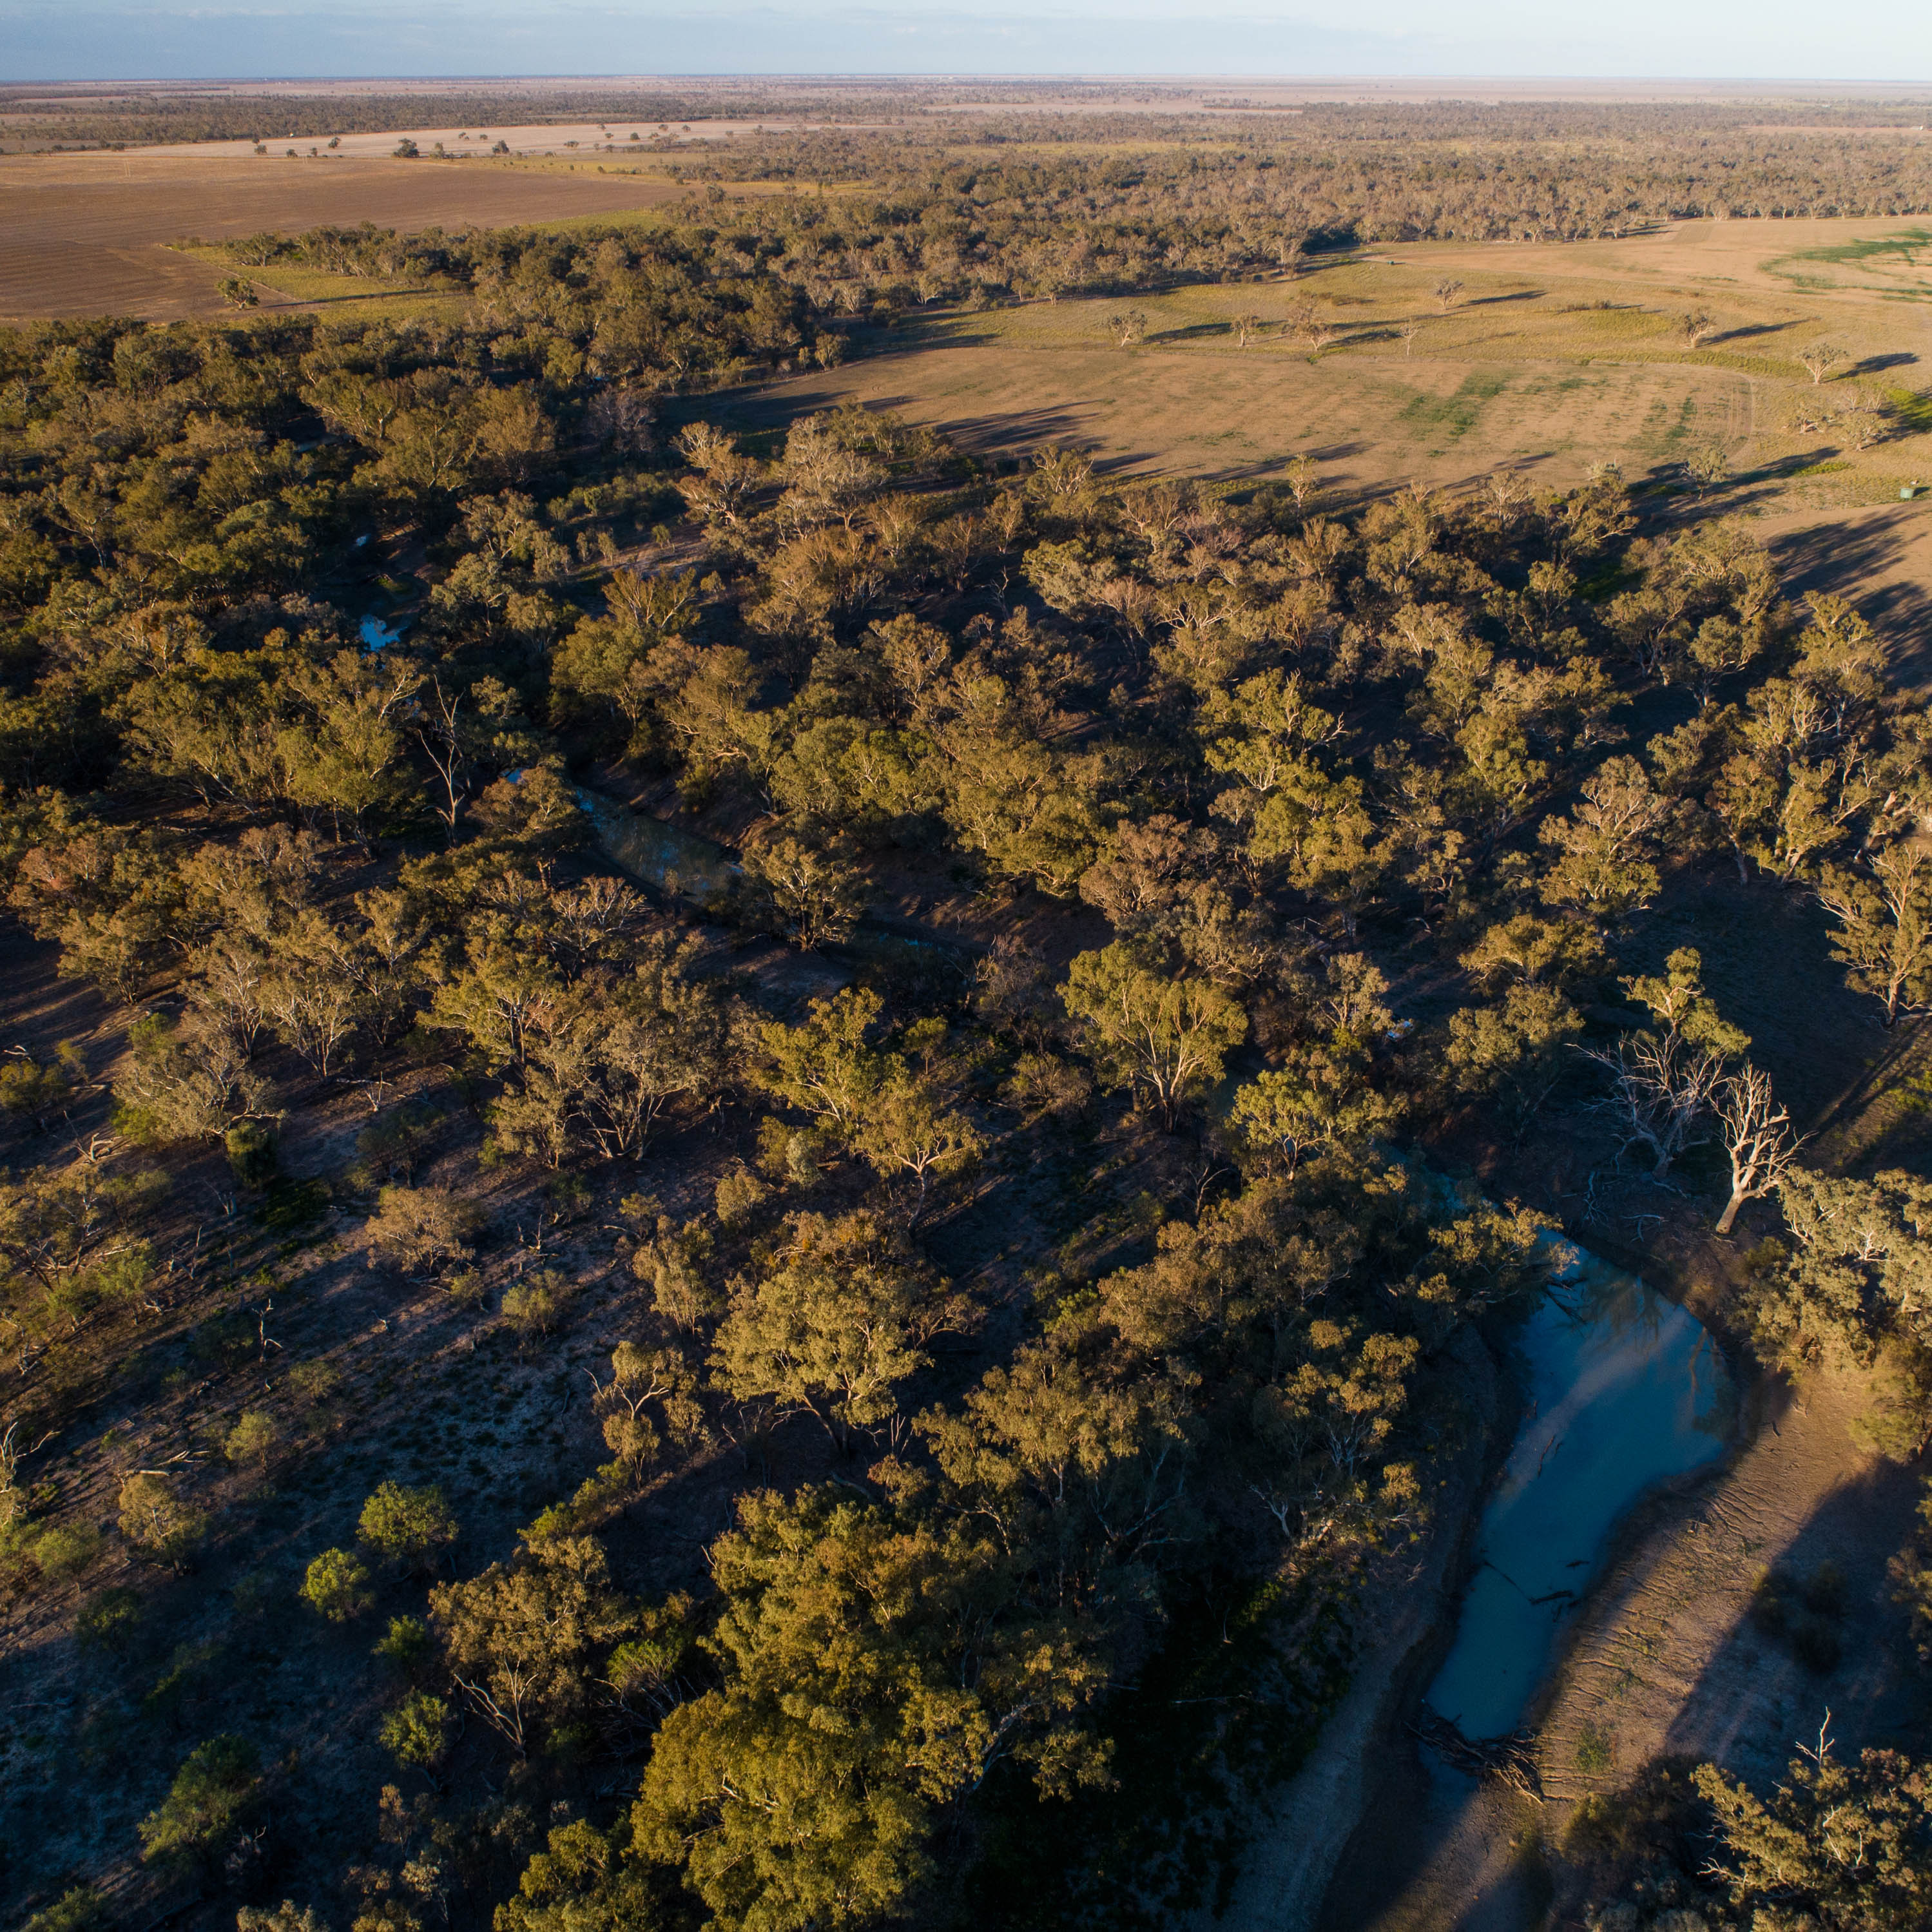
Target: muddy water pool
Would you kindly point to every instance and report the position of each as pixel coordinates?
(1622, 1390)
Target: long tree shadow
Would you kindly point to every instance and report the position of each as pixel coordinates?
(1869, 562)
(1896, 358)
(765, 412)
(1821, 1630)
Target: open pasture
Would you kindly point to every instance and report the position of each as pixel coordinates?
(1207, 409)
(1544, 359)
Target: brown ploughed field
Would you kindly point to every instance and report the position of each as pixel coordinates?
(84, 235)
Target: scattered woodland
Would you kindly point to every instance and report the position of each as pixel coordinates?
(875, 1377)
(1128, 186)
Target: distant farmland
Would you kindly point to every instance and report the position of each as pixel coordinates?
(86, 234)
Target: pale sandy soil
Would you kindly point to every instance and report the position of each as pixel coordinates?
(1439, 1850)
(1666, 1661)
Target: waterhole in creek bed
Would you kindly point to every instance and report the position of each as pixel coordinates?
(1622, 1389)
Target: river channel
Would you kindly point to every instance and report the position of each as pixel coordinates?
(1621, 1389)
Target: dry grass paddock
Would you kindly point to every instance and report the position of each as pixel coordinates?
(1548, 358)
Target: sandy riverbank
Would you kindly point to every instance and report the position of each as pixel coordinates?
(1300, 1833)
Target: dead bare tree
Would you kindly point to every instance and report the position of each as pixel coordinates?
(1408, 328)
(1660, 1086)
(1448, 295)
(13, 1499)
(1699, 325)
(1246, 328)
(440, 735)
(1303, 483)
(1757, 1137)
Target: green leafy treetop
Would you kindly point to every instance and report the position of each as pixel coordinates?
(1835, 1845)
(218, 1787)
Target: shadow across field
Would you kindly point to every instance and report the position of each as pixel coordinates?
(769, 412)
(1878, 562)
(1872, 365)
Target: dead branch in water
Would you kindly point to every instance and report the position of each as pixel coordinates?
(1510, 1759)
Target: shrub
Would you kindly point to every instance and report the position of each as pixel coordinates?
(1769, 1609)
(216, 1786)
(532, 1306)
(337, 1584)
(315, 1382)
(81, 1909)
(407, 1526)
(740, 1194)
(61, 1554)
(108, 1619)
(28, 1088)
(251, 1153)
(154, 1518)
(1815, 1644)
(252, 1437)
(286, 1917)
(465, 1289)
(405, 1646)
(1824, 1591)
(417, 1731)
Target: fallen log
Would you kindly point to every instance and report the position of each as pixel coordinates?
(1510, 1760)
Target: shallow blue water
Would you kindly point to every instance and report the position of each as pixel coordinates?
(1623, 1389)
(678, 861)
(375, 634)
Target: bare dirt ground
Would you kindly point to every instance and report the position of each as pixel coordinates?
(85, 235)
(1880, 557)
(1669, 1662)
(1476, 1871)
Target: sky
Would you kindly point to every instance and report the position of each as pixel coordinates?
(1873, 39)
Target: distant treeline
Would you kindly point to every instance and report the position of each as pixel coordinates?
(995, 227)
(1436, 171)
(42, 117)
